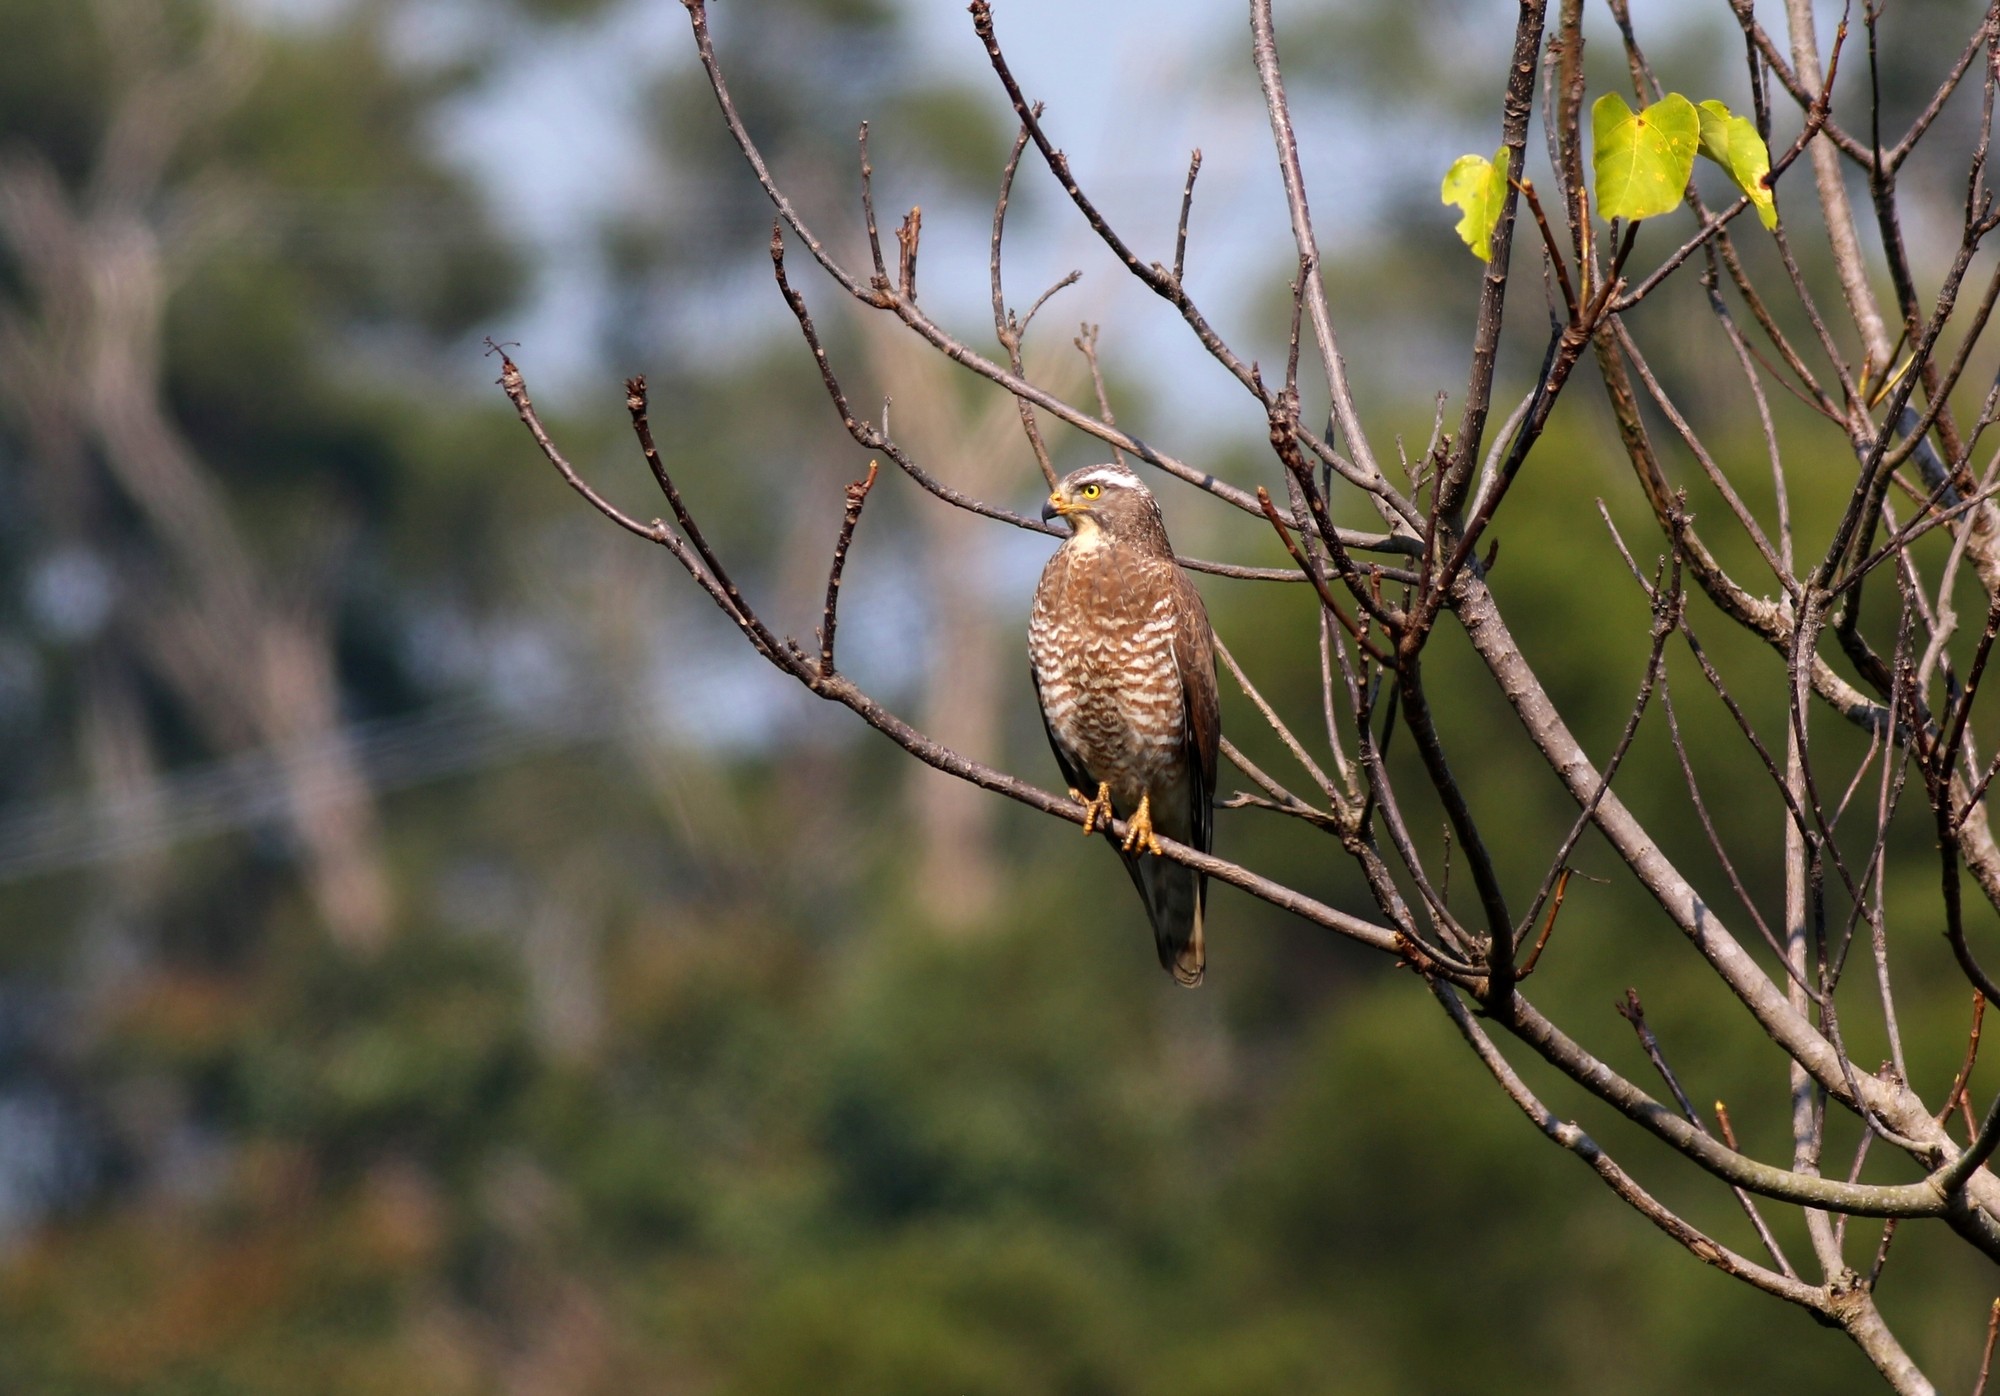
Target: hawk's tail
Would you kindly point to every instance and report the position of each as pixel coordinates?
(1174, 895)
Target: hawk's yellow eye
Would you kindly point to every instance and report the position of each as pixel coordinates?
(1091, 491)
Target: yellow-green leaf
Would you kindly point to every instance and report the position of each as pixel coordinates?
(1732, 142)
(1642, 159)
(1479, 187)
(1715, 118)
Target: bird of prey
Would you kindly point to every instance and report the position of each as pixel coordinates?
(1124, 667)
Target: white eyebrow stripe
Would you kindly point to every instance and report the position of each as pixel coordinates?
(1117, 478)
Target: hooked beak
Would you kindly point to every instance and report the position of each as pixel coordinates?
(1058, 504)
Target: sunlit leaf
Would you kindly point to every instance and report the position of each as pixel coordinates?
(1732, 142)
(1642, 159)
(1715, 118)
(1479, 187)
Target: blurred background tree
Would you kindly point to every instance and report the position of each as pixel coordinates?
(438, 961)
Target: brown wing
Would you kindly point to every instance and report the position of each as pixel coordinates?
(1194, 648)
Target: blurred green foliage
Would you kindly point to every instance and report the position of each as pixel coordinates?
(667, 1079)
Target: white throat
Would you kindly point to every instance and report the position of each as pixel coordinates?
(1088, 536)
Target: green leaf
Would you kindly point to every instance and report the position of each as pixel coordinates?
(1643, 160)
(1732, 142)
(1479, 187)
(1715, 119)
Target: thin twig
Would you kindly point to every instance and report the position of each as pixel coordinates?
(1957, 1096)
(873, 438)
(1548, 926)
(1277, 725)
(908, 235)
(1264, 53)
(1986, 1354)
(1312, 574)
(1633, 1012)
(1152, 274)
(857, 495)
(868, 210)
(1005, 330)
(1187, 207)
(1062, 283)
(1086, 344)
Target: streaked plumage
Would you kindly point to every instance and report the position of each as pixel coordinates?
(1124, 667)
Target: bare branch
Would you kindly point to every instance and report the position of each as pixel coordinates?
(1569, 1137)
(1158, 278)
(1004, 329)
(1914, 699)
(1516, 107)
(1277, 724)
(1264, 52)
(1635, 1013)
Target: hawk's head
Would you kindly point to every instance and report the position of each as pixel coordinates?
(1107, 501)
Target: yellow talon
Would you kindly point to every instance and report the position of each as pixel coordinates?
(1097, 810)
(1139, 829)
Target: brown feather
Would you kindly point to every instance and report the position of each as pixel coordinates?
(1124, 669)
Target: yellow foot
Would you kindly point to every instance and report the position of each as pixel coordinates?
(1097, 811)
(1139, 829)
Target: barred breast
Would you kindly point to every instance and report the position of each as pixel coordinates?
(1101, 637)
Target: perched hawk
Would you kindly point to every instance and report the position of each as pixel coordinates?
(1124, 670)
